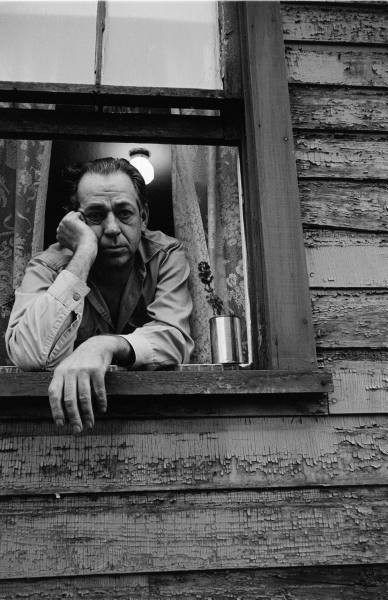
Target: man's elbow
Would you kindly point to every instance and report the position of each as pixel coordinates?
(24, 356)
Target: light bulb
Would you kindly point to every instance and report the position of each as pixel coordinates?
(140, 160)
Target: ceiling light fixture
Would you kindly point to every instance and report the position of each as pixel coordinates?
(140, 159)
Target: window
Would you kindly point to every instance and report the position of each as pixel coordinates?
(250, 112)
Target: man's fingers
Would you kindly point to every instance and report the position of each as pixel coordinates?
(85, 399)
(55, 397)
(98, 380)
(70, 402)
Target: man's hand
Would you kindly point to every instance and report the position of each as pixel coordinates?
(81, 376)
(73, 233)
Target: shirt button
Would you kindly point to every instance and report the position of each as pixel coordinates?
(76, 296)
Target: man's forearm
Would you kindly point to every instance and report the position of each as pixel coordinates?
(82, 262)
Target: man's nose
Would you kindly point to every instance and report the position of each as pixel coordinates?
(111, 225)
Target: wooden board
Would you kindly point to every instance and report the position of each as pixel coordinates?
(304, 583)
(315, 22)
(34, 408)
(342, 156)
(190, 531)
(342, 108)
(277, 275)
(180, 383)
(350, 319)
(202, 454)
(338, 65)
(345, 204)
(360, 386)
(186, 129)
(338, 259)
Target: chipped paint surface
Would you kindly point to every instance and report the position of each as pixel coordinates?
(203, 453)
(183, 531)
(342, 65)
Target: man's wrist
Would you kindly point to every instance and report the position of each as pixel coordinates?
(82, 261)
(121, 350)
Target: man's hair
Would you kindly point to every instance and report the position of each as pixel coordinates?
(102, 166)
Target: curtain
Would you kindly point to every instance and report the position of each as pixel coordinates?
(207, 220)
(24, 169)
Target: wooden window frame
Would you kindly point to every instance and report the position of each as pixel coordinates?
(253, 112)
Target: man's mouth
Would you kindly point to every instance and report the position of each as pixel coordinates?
(114, 249)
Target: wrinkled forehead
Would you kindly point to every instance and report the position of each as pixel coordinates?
(106, 190)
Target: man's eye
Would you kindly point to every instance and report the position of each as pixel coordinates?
(124, 215)
(95, 217)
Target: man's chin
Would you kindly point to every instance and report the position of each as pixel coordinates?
(114, 258)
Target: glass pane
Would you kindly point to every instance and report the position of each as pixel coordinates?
(162, 44)
(52, 42)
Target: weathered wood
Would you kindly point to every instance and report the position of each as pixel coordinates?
(183, 129)
(230, 55)
(277, 274)
(350, 319)
(100, 28)
(303, 583)
(338, 65)
(343, 108)
(325, 22)
(360, 386)
(341, 259)
(187, 531)
(342, 156)
(167, 383)
(345, 204)
(115, 95)
(202, 454)
(219, 405)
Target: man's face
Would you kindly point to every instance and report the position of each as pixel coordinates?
(110, 206)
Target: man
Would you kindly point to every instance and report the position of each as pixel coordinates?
(108, 291)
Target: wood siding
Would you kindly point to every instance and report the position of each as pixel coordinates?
(232, 498)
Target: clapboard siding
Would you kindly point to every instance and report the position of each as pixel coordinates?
(190, 531)
(304, 583)
(350, 319)
(340, 108)
(337, 65)
(360, 386)
(314, 22)
(201, 454)
(344, 204)
(342, 156)
(342, 259)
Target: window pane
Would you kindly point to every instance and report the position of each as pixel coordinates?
(162, 44)
(51, 42)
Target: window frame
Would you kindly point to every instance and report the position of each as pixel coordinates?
(254, 114)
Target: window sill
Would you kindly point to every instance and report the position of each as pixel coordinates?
(178, 383)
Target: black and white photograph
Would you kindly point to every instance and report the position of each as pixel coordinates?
(193, 300)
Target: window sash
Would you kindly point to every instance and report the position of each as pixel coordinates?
(281, 328)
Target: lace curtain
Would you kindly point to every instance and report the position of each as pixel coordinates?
(207, 220)
(24, 169)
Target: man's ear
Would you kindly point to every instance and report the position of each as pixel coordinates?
(144, 213)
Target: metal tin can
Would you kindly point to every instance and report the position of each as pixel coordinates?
(225, 338)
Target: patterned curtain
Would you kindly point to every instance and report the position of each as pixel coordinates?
(207, 220)
(24, 169)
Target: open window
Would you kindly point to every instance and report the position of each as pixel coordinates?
(235, 97)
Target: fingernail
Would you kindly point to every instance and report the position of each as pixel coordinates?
(88, 424)
(59, 423)
(77, 429)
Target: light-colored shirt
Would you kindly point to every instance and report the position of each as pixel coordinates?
(54, 310)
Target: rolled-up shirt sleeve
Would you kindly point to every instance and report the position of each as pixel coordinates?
(45, 317)
(165, 340)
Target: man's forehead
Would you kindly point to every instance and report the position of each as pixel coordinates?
(114, 185)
